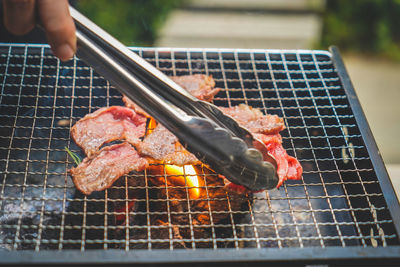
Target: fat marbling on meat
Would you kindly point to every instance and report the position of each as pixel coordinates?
(108, 124)
(198, 85)
(105, 167)
(163, 146)
(254, 120)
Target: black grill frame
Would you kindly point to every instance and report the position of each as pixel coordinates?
(259, 254)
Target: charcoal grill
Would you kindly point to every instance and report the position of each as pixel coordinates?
(344, 207)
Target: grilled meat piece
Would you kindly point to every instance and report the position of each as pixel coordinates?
(105, 167)
(199, 85)
(108, 124)
(289, 167)
(163, 146)
(132, 105)
(254, 120)
(121, 123)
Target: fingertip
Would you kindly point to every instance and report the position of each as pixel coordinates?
(64, 52)
(63, 41)
(59, 27)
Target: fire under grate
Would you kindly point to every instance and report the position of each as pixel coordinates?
(338, 202)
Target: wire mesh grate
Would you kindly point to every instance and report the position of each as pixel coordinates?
(338, 201)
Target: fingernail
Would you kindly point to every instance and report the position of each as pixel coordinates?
(64, 52)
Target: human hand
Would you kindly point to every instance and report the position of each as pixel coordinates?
(21, 16)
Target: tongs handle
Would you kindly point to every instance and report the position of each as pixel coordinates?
(139, 80)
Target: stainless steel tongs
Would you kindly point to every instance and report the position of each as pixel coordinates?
(214, 138)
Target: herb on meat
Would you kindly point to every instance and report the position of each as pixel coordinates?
(74, 156)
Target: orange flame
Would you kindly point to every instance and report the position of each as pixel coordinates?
(187, 173)
(151, 125)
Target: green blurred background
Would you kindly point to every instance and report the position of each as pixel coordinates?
(367, 26)
(134, 22)
(371, 26)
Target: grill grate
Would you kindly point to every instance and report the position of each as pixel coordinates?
(338, 202)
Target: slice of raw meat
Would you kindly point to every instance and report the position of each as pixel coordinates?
(288, 166)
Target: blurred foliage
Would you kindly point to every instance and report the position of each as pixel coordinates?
(133, 22)
(371, 26)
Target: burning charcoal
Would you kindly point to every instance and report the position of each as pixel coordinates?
(86, 213)
(136, 206)
(165, 233)
(120, 195)
(172, 196)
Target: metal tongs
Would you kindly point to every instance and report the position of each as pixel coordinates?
(214, 138)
